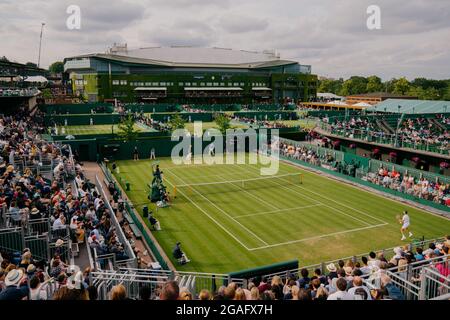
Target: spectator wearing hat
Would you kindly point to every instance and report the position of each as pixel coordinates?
(16, 287)
(35, 214)
(331, 271)
(31, 270)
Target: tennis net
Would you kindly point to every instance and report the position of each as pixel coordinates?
(242, 184)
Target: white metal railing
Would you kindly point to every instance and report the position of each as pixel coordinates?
(433, 284)
(131, 261)
(386, 252)
(133, 279)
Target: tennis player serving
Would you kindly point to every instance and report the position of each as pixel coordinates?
(405, 222)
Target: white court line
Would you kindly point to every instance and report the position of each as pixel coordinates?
(318, 237)
(325, 205)
(344, 205)
(277, 211)
(229, 216)
(206, 213)
(252, 195)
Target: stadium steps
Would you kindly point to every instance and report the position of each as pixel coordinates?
(437, 123)
(388, 126)
(380, 125)
(82, 258)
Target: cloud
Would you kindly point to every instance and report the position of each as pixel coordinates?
(330, 35)
(238, 23)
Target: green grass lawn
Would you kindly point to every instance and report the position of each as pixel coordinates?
(95, 129)
(230, 226)
(208, 125)
(304, 124)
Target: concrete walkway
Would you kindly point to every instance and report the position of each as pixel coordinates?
(91, 169)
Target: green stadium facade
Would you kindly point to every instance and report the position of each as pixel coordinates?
(190, 75)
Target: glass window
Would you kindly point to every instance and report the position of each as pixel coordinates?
(116, 82)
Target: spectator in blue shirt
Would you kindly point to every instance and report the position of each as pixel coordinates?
(16, 287)
(419, 254)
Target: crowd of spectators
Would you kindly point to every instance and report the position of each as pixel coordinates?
(303, 153)
(425, 131)
(274, 124)
(422, 188)
(417, 132)
(368, 279)
(18, 92)
(62, 196)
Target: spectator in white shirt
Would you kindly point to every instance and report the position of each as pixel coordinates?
(59, 223)
(341, 293)
(359, 291)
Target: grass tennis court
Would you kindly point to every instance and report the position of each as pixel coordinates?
(232, 226)
(208, 125)
(97, 129)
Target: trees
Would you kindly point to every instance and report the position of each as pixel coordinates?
(401, 86)
(56, 67)
(424, 89)
(330, 85)
(31, 64)
(354, 85)
(374, 84)
(223, 123)
(127, 132)
(177, 122)
(47, 93)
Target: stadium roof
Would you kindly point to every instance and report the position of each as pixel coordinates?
(362, 104)
(193, 57)
(411, 106)
(382, 95)
(328, 95)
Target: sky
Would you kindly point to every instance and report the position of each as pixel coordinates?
(330, 35)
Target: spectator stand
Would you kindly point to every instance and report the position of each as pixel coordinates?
(332, 162)
(375, 165)
(131, 261)
(134, 279)
(40, 237)
(137, 225)
(418, 281)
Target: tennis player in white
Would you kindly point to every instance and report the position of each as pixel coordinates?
(404, 221)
